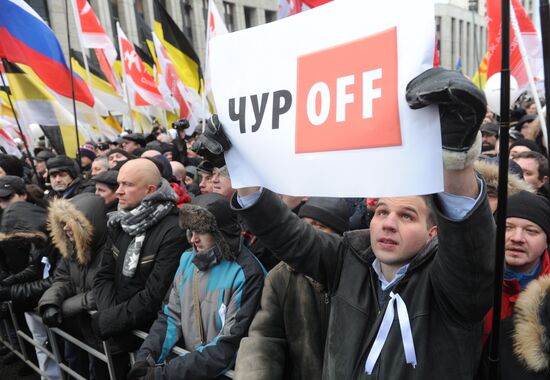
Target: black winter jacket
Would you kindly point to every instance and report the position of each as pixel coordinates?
(447, 290)
(126, 303)
(23, 237)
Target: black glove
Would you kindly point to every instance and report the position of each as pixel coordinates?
(212, 143)
(462, 106)
(5, 293)
(141, 370)
(51, 316)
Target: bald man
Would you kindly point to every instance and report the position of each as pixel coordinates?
(179, 171)
(146, 246)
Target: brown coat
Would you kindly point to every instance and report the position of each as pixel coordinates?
(287, 336)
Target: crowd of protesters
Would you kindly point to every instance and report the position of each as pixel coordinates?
(147, 233)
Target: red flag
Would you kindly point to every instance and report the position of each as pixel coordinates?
(494, 50)
(314, 3)
(172, 80)
(289, 8)
(93, 36)
(107, 68)
(140, 83)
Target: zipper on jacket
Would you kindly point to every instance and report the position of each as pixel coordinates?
(325, 309)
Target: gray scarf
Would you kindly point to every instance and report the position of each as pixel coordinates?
(137, 221)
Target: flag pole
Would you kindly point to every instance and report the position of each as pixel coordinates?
(8, 92)
(84, 58)
(494, 359)
(530, 76)
(544, 10)
(72, 88)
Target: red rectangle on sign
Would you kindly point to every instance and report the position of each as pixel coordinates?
(347, 96)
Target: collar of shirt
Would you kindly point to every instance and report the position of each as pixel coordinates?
(523, 278)
(385, 284)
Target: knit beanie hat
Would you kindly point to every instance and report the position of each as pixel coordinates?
(11, 165)
(332, 212)
(63, 163)
(526, 205)
(88, 150)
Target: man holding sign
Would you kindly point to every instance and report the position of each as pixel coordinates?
(428, 259)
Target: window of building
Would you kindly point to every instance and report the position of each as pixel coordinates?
(229, 11)
(187, 17)
(270, 16)
(41, 7)
(140, 8)
(460, 40)
(438, 34)
(468, 58)
(249, 17)
(114, 14)
(205, 12)
(453, 41)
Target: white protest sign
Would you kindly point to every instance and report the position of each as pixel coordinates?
(314, 104)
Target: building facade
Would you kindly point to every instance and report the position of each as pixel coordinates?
(461, 33)
(189, 15)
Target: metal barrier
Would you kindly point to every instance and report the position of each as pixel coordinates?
(56, 355)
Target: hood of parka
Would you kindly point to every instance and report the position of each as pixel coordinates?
(85, 214)
(24, 220)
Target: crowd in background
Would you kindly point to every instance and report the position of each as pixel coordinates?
(142, 233)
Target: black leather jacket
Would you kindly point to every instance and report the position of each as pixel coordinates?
(447, 290)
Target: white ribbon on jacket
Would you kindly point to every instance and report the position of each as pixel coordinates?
(406, 333)
(47, 266)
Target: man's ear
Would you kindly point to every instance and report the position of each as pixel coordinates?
(544, 179)
(432, 232)
(151, 189)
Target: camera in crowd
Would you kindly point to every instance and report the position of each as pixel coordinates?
(181, 124)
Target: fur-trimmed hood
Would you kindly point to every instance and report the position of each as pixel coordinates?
(211, 213)
(532, 325)
(489, 172)
(24, 220)
(85, 214)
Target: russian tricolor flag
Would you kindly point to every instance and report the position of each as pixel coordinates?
(25, 38)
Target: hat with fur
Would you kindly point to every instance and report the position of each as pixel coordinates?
(211, 213)
(85, 214)
(488, 170)
(532, 326)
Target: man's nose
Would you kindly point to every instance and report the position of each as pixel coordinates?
(390, 222)
(517, 235)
